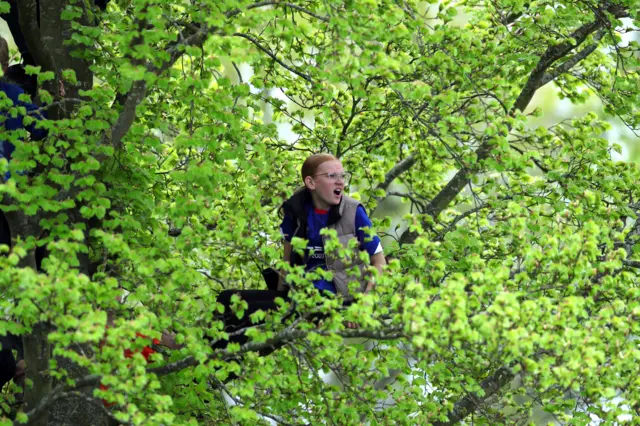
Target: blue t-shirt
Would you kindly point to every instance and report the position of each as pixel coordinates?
(314, 254)
(9, 94)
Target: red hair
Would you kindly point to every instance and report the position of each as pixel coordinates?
(311, 164)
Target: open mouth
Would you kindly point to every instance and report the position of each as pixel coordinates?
(338, 192)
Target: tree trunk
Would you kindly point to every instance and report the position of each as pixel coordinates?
(37, 350)
(37, 353)
(53, 33)
(46, 44)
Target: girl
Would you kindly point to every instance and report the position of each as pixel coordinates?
(320, 204)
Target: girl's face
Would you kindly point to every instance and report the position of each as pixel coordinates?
(325, 191)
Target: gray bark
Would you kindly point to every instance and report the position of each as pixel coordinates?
(46, 45)
(37, 353)
(76, 410)
(54, 32)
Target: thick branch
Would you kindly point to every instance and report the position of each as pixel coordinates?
(491, 385)
(128, 115)
(397, 170)
(284, 336)
(552, 54)
(566, 66)
(41, 407)
(138, 90)
(197, 37)
(61, 391)
(534, 82)
(177, 50)
(460, 217)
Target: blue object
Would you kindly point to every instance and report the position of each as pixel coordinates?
(11, 92)
(314, 254)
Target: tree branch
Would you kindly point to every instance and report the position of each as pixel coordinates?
(534, 82)
(235, 12)
(137, 94)
(95, 402)
(552, 55)
(284, 336)
(61, 391)
(397, 170)
(468, 404)
(460, 217)
(566, 66)
(305, 11)
(410, 197)
(176, 50)
(128, 115)
(274, 57)
(504, 375)
(197, 37)
(93, 380)
(631, 263)
(138, 90)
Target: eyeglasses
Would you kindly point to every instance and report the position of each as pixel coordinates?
(335, 177)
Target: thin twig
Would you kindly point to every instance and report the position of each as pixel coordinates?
(273, 56)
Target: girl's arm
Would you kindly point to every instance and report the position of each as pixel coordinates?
(378, 261)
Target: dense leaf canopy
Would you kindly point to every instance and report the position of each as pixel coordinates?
(512, 277)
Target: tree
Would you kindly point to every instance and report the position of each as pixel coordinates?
(513, 281)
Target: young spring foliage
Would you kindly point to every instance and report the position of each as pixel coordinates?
(511, 284)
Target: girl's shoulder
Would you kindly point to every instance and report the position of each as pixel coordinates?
(296, 204)
(351, 201)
